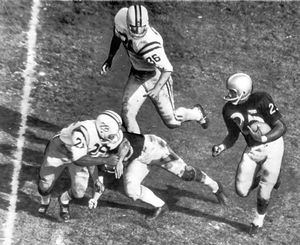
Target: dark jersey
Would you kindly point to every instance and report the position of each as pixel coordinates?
(137, 143)
(259, 107)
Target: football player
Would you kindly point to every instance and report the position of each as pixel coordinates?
(81, 141)
(150, 73)
(261, 161)
(148, 150)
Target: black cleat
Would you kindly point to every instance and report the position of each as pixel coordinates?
(158, 212)
(43, 208)
(222, 199)
(204, 121)
(254, 229)
(64, 212)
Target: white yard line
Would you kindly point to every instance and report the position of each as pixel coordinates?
(28, 76)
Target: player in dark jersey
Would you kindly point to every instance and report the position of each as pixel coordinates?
(148, 150)
(261, 161)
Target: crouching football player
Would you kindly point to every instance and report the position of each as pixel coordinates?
(81, 141)
(146, 150)
(264, 150)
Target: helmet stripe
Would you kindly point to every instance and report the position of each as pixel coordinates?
(135, 14)
(140, 9)
(114, 116)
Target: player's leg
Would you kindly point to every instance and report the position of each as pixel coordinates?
(159, 153)
(246, 173)
(133, 177)
(270, 173)
(53, 164)
(134, 96)
(173, 117)
(79, 183)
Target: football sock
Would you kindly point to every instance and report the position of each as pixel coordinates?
(206, 180)
(149, 197)
(45, 200)
(259, 219)
(65, 198)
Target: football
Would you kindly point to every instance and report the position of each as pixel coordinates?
(262, 126)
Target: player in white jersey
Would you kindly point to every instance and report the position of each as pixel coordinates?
(150, 73)
(80, 141)
(144, 151)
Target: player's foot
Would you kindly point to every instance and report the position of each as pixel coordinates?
(222, 199)
(278, 183)
(254, 229)
(158, 212)
(204, 121)
(64, 212)
(43, 209)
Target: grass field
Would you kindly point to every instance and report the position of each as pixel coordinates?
(205, 42)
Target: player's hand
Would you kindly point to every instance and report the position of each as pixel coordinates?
(119, 170)
(217, 149)
(256, 135)
(93, 203)
(106, 66)
(153, 93)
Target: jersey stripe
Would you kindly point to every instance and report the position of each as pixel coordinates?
(147, 46)
(84, 132)
(149, 50)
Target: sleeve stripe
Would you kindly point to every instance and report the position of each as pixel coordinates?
(147, 45)
(149, 50)
(84, 132)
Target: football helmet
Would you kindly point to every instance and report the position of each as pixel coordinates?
(239, 87)
(137, 21)
(108, 125)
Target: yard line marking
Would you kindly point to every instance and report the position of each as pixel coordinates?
(28, 75)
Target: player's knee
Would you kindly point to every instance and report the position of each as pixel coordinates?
(133, 191)
(78, 192)
(44, 190)
(192, 174)
(241, 190)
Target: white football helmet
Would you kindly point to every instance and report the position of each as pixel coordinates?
(239, 87)
(108, 125)
(137, 21)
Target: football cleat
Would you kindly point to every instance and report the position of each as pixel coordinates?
(43, 209)
(158, 212)
(64, 212)
(204, 121)
(220, 195)
(254, 229)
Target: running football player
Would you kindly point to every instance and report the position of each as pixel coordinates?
(148, 150)
(80, 141)
(261, 161)
(150, 73)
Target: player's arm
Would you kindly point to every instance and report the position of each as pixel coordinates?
(274, 119)
(155, 55)
(114, 46)
(230, 139)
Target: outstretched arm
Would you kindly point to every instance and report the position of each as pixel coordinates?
(114, 46)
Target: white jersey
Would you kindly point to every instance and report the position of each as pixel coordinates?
(81, 138)
(145, 53)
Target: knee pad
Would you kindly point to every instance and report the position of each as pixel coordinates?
(189, 173)
(44, 192)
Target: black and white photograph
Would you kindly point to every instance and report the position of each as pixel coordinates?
(149, 122)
